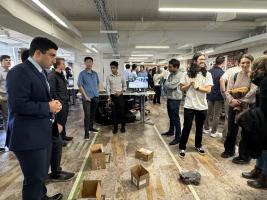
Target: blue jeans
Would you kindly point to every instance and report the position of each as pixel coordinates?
(173, 112)
(261, 162)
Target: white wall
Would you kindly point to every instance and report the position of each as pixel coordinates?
(257, 51)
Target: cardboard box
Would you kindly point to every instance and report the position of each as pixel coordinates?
(139, 176)
(144, 154)
(98, 157)
(91, 190)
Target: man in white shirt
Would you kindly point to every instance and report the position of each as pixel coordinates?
(5, 65)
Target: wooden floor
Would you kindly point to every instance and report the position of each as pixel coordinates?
(220, 178)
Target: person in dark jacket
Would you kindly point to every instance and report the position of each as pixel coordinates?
(58, 90)
(259, 78)
(215, 99)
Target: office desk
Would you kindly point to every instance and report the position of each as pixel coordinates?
(142, 100)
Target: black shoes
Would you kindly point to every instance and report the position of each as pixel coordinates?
(123, 130)
(115, 130)
(227, 155)
(253, 174)
(62, 177)
(168, 134)
(174, 142)
(240, 161)
(66, 138)
(58, 196)
(93, 130)
(2, 149)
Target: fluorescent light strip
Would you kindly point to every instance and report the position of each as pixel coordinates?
(142, 55)
(114, 32)
(94, 49)
(214, 10)
(152, 47)
(49, 12)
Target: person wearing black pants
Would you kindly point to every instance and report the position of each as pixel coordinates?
(157, 85)
(197, 83)
(174, 96)
(157, 95)
(238, 101)
(115, 86)
(118, 112)
(200, 116)
(58, 90)
(230, 141)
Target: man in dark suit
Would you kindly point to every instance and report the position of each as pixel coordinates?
(31, 114)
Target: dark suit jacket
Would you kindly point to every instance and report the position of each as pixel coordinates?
(29, 121)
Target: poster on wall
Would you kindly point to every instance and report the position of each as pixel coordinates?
(230, 57)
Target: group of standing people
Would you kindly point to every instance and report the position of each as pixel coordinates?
(206, 92)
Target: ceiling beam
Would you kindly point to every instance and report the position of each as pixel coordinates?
(23, 19)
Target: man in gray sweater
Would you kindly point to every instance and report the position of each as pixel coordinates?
(174, 96)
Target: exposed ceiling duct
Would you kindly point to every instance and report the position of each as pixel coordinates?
(105, 17)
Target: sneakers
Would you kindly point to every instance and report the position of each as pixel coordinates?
(217, 134)
(207, 131)
(200, 150)
(86, 137)
(182, 153)
(93, 130)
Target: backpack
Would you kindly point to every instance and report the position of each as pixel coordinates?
(254, 126)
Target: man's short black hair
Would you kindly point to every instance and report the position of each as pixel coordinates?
(88, 58)
(219, 60)
(25, 55)
(134, 66)
(58, 62)
(114, 63)
(175, 63)
(127, 66)
(3, 57)
(42, 44)
(265, 52)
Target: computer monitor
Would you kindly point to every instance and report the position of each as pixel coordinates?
(139, 83)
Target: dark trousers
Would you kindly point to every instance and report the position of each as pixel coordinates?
(56, 155)
(230, 141)
(62, 117)
(157, 94)
(173, 113)
(89, 108)
(118, 110)
(34, 166)
(200, 116)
